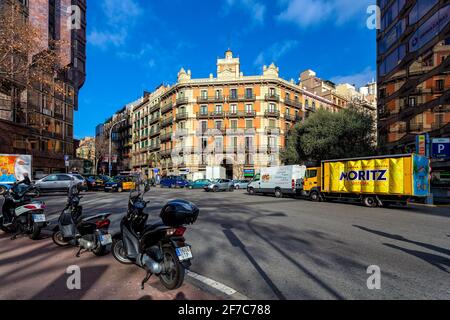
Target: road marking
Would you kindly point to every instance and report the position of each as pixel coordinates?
(212, 283)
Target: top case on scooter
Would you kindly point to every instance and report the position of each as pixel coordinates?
(67, 225)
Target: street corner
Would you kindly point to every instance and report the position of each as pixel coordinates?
(40, 270)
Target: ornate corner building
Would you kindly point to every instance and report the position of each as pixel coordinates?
(38, 120)
(229, 120)
(413, 72)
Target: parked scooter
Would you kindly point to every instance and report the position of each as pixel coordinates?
(21, 214)
(89, 233)
(159, 248)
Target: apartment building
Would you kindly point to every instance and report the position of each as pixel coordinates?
(38, 119)
(230, 120)
(413, 73)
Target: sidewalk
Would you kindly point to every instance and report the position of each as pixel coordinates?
(37, 270)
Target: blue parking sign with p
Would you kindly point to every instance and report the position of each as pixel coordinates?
(441, 148)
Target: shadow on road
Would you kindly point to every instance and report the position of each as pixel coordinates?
(403, 239)
(437, 261)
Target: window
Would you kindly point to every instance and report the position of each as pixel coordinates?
(412, 101)
(248, 124)
(204, 126)
(234, 124)
(204, 110)
(51, 178)
(272, 107)
(287, 111)
(249, 108)
(272, 92)
(219, 108)
(233, 109)
(440, 85)
(218, 125)
(311, 174)
(249, 93)
(233, 94)
(218, 94)
(204, 94)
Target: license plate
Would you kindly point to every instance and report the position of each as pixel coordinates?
(39, 218)
(105, 239)
(184, 253)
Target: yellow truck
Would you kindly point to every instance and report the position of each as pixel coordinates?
(374, 181)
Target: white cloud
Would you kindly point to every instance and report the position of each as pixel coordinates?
(103, 38)
(119, 16)
(255, 8)
(307, 13)
(120, 11)
(275, 52)
(358, 79)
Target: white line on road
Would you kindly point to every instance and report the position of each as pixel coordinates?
(212, 283)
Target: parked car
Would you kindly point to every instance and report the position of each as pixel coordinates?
(97, 182)
(199, 184)
(220, 185)
(241, 184)
(81, 182)
(174, 182)
(59, 182)
(120, 184)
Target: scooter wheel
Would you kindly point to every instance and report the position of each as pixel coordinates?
(100, 251)
(174, 276)
(58, 239)
(35, 232)
(118, 252)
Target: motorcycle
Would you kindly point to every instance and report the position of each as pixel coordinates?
(159, 247)
(89, 233)
(21, 214)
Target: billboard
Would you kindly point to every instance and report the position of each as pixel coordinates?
(12, 167)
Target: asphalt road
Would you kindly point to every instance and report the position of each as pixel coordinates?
(268, 248)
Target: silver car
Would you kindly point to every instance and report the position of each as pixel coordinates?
(58, 182)
(220, 185)
(241, 184)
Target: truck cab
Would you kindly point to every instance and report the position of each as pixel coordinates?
(312, 183)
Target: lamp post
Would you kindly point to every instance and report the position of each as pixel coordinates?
(110, 143)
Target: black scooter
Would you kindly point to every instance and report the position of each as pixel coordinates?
(159, 248)
(89, 233)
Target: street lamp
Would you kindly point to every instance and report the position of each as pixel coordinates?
(110, 143)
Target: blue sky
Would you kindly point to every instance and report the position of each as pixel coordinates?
(135, 45)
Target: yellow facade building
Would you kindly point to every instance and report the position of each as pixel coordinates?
(231, 121)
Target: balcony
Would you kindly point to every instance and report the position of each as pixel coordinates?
(293, 103)
(181, 101)
(272, 130)
(165, 153)
(166, 108)
(437, 125)
(272, 97)
(154, 120)
(153, 133)
(202, 115)
(272, 114)
(154, 147)
(242, 114)
(216, 99)
(167, 122)
(155, 107)
(182, 116)
(165, 137)
(217, 115)
(310, 108)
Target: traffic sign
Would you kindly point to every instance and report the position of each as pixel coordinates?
(66, 158)
(441, 148)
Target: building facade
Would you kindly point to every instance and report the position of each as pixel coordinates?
(413, 73)
(229, 120)
(38, 119)
(86, 149)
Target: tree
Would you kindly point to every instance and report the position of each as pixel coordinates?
(26, 58)
(326, 135)
(102, 150)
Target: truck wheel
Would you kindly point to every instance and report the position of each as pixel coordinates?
(278, 193)
(2, 190)
(314, 196)
(370, 202)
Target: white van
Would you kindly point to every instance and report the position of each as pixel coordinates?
(278, 181)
